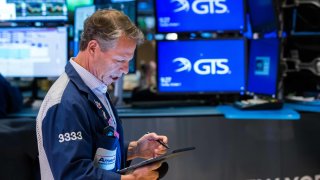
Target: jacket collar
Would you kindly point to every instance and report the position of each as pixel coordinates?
(79, 83)
(76, 79)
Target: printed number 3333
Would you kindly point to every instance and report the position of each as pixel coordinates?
(72, 136)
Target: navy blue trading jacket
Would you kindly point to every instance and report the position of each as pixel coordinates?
(70, 130)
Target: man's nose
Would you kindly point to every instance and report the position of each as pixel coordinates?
(125, 68)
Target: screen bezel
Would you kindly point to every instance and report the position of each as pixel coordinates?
(276, 95)
(200, 30)
(33, 27)
(205, 92)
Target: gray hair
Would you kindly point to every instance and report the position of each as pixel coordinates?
(106, 27)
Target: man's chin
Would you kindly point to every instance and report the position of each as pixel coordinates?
(108, 82)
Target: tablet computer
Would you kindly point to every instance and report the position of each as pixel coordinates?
(163, 157)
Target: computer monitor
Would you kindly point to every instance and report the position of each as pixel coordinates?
(201, 66)
(263, 16)
(73, 4)
(264, 59)
(145, 7)
(33, 51)
(306, 20)
(40, 10)
(81, 13)
(174, 16)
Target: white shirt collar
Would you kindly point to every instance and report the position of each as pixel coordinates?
(89, 79)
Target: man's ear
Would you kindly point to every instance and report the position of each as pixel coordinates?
(93, 46)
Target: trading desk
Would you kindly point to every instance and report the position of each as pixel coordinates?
(32, 112)
(237, 149)
(228, 111)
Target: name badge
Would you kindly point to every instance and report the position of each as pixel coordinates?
(105, 159)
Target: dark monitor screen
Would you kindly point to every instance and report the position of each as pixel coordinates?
(201, 66)
(199, 15)
(306, 20)
(34, 10)
(263, 15)
(81, 14)
(264, 57)
(33, 52)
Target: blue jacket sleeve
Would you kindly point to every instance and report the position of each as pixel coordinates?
(67, 140)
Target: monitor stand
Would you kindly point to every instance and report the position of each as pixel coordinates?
(34, 93)
(118, 94)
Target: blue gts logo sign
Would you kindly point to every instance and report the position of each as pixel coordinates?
(203, 66)
(201, 6)
(262, 66)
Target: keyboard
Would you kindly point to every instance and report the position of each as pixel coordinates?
(258, 104)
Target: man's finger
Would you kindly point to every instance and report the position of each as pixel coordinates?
(155, 166)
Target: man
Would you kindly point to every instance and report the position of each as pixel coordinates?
(79, 133)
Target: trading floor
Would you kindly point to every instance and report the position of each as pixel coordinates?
(239, 80)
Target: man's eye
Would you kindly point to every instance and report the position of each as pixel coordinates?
(121, 61)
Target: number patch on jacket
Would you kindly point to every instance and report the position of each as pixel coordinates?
(72, 136)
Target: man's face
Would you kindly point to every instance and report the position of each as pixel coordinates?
(110, 65)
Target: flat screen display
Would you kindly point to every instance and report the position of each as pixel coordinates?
(145, 7)
(80, 15)
(34, 10)
(263, 66)
(263, 22)
(73, 4)
(201, 66)
(33, 52)
(199, 15)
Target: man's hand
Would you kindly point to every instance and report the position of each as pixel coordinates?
(147, 147)
(144, 173)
